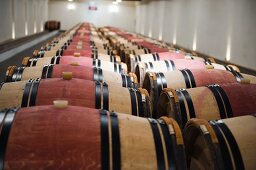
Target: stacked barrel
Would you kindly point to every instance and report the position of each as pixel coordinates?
(105, 98)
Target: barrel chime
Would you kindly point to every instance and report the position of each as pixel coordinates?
(104, 98)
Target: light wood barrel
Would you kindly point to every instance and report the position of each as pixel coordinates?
(154, 83)
(58, 51)
(225, 67)
(105, 57)
(70, 60)
(84, 138)
(252, 78)
(166, 66)
(86, 52)
(133, 60)
(223, 144)
(158, 56)
(182, 79)
(82, 72)
(89, 47)
(77, 92)
(11, 94)
(210, 103)
(51, 53)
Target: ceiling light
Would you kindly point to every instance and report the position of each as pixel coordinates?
(113, 9)
(70, 0)
(115, 2)
(71, 6)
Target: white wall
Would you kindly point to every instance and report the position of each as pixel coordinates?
(124, 18)
(20, 12)
(219, 28)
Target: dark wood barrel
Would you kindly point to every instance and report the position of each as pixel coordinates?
(166, 66)
(154, 83)
(82, 72)
(77, 92)
(52, 25)
(84, 138)
(211, 103)
(223, 144)
(71, 60)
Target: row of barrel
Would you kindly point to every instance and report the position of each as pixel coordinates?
(104, 98)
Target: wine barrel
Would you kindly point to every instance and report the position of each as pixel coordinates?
(186, 56)
(156, 49)
(89, 48)
(86, 52)
(78, 92)
(82, 72)
(158, 56)
(82, 47)
(225, 67)
(133, 60)
(223, 144)
(52, 25)
(84, 138)
(70, 60)
(51, 47)
(51, 53)
(128, 55)
(104, 57)
(252, 78)
(165, 66)
(88, 45)
(154, 83)
(56, 44)
(211, 103)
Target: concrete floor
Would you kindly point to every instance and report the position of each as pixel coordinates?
(17, 59)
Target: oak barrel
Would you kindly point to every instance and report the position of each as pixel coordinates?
(166, 66)
(77, 92)
(52, 25)
(154, 83)
(83, 61)
(211, 103)
(82, 72)
(84, 138)
(224, 144)
(133, 60)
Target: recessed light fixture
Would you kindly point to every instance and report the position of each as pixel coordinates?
(13, 30)
(113, 9)
(26, 27)
(70, 0)
(174, 39)
(71, 6)
(194, 41)
(35, 27)
(228, 52)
